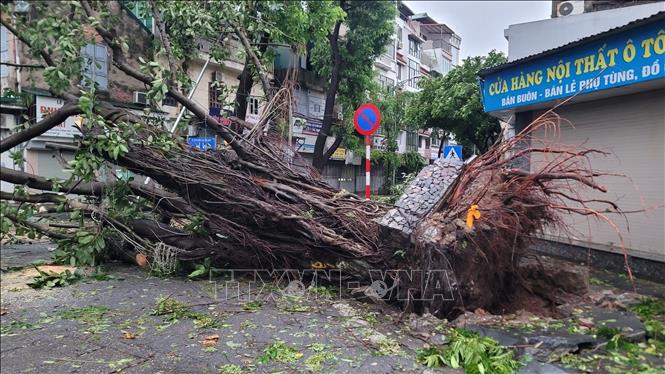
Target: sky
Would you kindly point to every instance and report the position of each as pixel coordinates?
(480, 24)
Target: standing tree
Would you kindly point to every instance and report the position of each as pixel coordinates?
(347, 65)
(393, 105)
(453, 103)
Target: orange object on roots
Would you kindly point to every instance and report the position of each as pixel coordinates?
(472, 214)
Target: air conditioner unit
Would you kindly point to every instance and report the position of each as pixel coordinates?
(569, 8)
(400, 45)
(141, 97)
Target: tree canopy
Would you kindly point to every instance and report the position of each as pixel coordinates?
(393, 106)
(452, 103)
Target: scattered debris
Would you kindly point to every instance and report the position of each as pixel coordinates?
(50, 279)
(173, 310)
(279, 351)
(473, 353)
(210, 341)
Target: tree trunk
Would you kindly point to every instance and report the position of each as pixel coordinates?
(319, 156)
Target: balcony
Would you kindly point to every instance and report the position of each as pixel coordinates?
(428, 61)
(385, 62)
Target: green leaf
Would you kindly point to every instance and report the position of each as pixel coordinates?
(200, 270)
(86, 239)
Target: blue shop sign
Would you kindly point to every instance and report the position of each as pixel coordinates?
(634, 56)
(202, 143)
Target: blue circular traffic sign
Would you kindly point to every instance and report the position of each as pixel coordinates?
(367, 119)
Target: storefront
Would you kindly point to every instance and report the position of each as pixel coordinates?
(609, 90)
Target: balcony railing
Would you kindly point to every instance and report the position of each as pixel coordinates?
(438, 44)
(428, 60)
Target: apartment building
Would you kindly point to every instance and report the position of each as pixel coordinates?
(421, 47)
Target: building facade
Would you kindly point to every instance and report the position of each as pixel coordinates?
(421, 47)
(47, 155)
(608, 82)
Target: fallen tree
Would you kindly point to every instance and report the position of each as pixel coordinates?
(255, 204)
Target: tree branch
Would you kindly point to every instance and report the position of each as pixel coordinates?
(29, 66)
(40, 127)
(257, 62)
(120, 61)
(41, 183)
(33, 198)
(162, 199)
(43, 53)
(161, 27)
(45, 56)
(44, 230)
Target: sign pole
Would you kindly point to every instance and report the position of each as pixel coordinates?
(366, 120)
(368, 179)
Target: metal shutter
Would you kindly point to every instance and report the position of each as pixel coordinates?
(632, 128)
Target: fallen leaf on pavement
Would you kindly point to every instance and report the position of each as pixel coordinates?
(210, 341)
(128, 335)
(586, 322)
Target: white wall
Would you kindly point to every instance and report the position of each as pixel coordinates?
(526, 39)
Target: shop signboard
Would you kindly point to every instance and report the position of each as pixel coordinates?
(630, 57)
(46, 105)
(339, 154)
(304, 144)
(202, 143)
(220, 115)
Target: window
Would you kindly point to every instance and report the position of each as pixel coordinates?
(414, 48)
(446, 66)
(399, 73)
(253, 105)
(215, 98)
(434, 140)
(4, 51)
(140, 10)
(386, 83)
(414, 73)
(95, 66)
(390, 51)
(411, 141)
(168, 100)
(399, 36)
